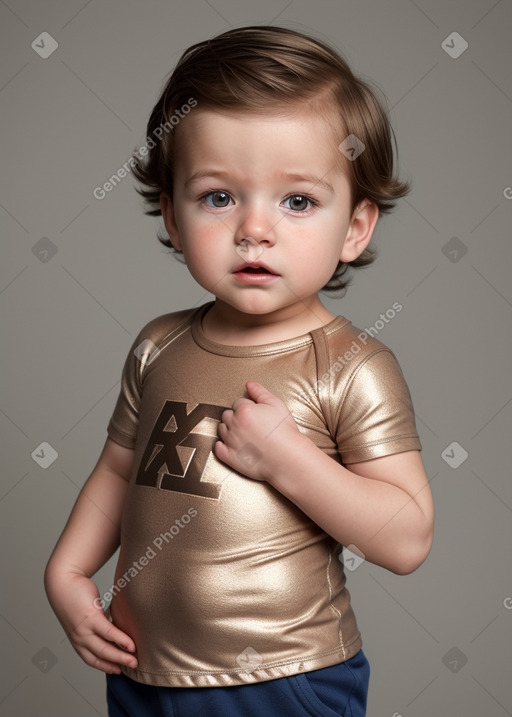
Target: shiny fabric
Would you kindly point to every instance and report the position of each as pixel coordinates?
(221, 580)
(337, 691)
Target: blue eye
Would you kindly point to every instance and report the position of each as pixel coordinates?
(217, 200)
(300, 202)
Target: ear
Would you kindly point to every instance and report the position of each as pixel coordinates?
(360, 231)
(167, 209)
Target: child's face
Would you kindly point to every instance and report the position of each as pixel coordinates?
(276, 180)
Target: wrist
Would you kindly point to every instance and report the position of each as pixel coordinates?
(57, 576)
(292, 461)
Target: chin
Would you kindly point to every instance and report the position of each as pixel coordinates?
(253, 307)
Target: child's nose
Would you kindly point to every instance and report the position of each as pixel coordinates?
(257, 224)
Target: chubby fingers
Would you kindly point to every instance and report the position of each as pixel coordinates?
(108, 631)
(105, 647)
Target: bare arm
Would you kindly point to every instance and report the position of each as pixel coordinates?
(382, 506)
(90, 538)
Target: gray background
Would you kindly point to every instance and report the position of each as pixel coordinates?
(69, 122)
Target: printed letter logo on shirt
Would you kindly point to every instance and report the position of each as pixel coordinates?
(175, 457)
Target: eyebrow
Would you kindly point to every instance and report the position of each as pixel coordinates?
(206, 173)
(314, 181)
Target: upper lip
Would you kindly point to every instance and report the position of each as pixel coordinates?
(254, 265)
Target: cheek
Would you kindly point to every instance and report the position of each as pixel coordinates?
(204, 243)
(324, 265)
(203, 250)
(201, 227)
(323, 244)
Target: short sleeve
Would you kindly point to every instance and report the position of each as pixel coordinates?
(123, 424)
(374, 415)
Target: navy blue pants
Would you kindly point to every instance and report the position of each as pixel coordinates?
(337, 691)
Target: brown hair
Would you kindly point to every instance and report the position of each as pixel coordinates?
(264, 69)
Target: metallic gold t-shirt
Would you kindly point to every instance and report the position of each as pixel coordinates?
(221, 580)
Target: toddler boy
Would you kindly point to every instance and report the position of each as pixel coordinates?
(256, 434)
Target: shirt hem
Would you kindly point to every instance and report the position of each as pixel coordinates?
(123, 439)
(396, 444)
(243, 676)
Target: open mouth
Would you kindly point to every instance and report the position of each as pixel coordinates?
(256, 270)
(255, 274)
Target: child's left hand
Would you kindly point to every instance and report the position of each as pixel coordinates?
(256, 434)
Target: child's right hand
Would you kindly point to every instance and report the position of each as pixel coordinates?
(98, 642)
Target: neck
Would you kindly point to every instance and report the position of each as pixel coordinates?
(224, 324)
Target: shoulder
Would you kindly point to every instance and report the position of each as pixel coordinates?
(358, 369)
(368, 405)
(350, 348)
(156, 330)
(154, 336)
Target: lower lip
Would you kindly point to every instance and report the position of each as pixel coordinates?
(249, 278)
